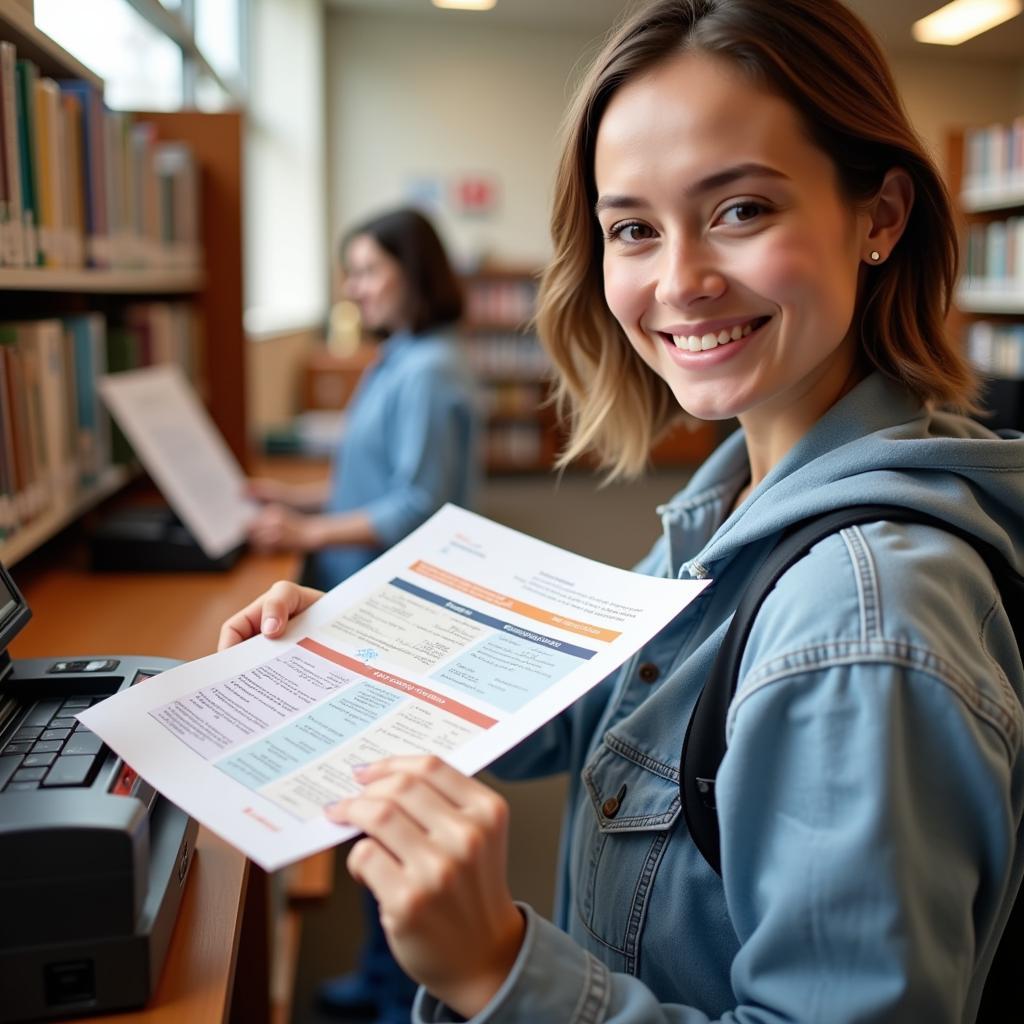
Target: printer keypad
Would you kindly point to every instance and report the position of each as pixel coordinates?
(70, 770)
(51, 748)
(83, 742)
(39, 760)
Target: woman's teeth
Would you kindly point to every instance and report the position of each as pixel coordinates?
(701, 343)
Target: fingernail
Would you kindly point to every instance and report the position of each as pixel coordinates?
(335, 812)
(360, 769)
(271, 625)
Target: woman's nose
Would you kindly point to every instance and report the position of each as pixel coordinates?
(687, 274)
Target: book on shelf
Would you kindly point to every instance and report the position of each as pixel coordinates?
(84, 186)
(511, 398)
(994, 156)
(56, 438)
(501, 299)
(508, 355)
(995, 256)
(515, 445)
(997, 349)
(23, 85)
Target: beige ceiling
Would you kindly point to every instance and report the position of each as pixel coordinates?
(890, 19)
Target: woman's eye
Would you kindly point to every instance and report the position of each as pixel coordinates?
(741, 213)
(630, 231)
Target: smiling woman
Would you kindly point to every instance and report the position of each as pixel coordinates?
(746, 225)
(837, 104)
(768, 248)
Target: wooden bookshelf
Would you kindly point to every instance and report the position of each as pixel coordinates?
(988, 310)
(213, 289)
(51, 522)
(218, 144)
(520, 430)
(101, 282)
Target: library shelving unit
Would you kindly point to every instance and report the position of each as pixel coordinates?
(986, 174)
(211, 284)
(523, 433)
(520, 428)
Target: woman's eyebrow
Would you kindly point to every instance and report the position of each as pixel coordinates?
(708, 184)
(731, 174)
(617, 203)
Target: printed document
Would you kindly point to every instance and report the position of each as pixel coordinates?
(183, 451)
(460, 641)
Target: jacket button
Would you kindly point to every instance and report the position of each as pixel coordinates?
(648, 672)
(611, 806)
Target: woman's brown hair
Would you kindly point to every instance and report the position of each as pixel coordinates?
(435, 298)
(818, 56)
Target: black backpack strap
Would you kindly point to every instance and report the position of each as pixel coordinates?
(704, 744)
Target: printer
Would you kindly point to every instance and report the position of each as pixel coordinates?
(93, 862)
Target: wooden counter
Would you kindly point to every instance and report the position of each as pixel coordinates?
(172, 615)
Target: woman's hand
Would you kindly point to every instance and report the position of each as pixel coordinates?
(276, 528)
(268, 614)
(435, 856)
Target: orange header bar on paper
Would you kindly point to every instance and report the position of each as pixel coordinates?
(502, 601)
(439, 700)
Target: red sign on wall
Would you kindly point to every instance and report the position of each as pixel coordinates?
(475, 194)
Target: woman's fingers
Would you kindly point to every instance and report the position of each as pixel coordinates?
(370, 864)
(481, 802)
(425, 806)
(268, 614)
(434, 856)
(458, 788)
(457, 815)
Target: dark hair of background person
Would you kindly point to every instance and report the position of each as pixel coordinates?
(435, 296)
(822, 59)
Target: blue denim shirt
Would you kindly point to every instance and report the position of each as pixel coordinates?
(409, 445)
(871, 797)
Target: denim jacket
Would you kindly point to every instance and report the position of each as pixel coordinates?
(871, 797)
(410, 444)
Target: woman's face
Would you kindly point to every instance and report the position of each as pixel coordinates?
(730, 258)
(375, 283)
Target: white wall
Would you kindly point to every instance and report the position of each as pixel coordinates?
(409, 98)
(943, 93)
(286, 189)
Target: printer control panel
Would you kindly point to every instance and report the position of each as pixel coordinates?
(85, 665)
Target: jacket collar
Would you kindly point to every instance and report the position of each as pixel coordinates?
(698, 518)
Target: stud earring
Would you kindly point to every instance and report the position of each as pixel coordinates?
(875, 255)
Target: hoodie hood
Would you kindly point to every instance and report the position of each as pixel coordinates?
(878, 444)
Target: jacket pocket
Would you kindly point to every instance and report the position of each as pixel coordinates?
(619, 841)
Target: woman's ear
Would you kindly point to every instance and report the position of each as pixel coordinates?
(888, 214)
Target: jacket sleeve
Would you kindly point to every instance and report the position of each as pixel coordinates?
(867, 828)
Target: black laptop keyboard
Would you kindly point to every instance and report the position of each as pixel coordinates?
(51, 748)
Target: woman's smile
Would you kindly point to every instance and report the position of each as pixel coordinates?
(709, 336)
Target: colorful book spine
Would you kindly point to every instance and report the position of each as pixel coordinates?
(26, 74)
(13, 248)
